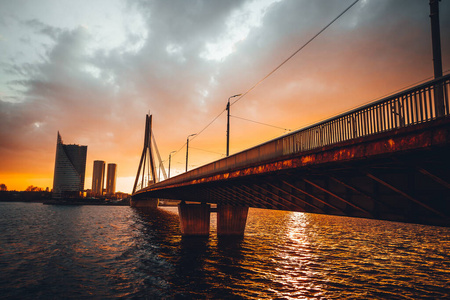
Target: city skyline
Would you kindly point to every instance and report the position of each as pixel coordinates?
(96, 74)
(70, 166)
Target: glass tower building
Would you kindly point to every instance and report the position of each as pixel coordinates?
(70, 167)
(98, 178)
(111, 179)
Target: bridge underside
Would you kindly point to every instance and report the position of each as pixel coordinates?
(398, 176)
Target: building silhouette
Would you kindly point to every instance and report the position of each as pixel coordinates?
(70, 167)
(111, 179)
(98, 178)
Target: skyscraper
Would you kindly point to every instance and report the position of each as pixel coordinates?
(111, 179)
(98, 178)
(70, 167)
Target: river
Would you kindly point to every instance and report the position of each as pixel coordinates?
(116, 252)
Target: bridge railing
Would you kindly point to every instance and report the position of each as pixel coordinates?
(416, 105)
(419, 104)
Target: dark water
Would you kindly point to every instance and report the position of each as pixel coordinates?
(98, 252)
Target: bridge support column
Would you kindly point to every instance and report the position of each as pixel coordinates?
(231, 220)
(194, 218)
(144, 203)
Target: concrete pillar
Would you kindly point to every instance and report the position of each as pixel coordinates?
(144, 203)
(194, 218)
(231, 219)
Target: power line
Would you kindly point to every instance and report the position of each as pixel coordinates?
(269, 74)
(197, 134)
(208, 125)
(286, 129)
(279, 66)
(298, 50)
(176, 152)
(207, 151)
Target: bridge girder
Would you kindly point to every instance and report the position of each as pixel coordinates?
(400, 177)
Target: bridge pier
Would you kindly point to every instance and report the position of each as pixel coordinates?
(231, 220)
(194, 218)
(151, 203)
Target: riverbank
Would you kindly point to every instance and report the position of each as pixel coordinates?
(46, 198)
(22, 196)
(86, 201)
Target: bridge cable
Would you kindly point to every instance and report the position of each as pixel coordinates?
(298, 50)
(159, 159)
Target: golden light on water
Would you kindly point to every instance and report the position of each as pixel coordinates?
(95, 81)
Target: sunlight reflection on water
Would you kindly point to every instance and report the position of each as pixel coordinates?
(117, 252)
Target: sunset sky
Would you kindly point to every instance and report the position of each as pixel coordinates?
(92, 70)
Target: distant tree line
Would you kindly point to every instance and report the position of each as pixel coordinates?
(31, 188)
(31, 194)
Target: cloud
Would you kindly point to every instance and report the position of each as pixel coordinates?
(42, 28)
(94, 78)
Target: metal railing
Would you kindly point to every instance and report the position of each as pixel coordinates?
(422, 103)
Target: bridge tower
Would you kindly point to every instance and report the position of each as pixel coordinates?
(146, 174)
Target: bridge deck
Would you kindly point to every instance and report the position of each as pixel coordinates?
(386, 160)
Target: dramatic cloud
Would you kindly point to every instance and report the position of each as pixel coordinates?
(92, 70)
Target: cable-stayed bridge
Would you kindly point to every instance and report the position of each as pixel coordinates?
(386, 160)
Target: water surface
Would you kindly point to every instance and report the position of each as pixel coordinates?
(106, 252)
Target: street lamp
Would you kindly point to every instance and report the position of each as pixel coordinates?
(170, 156)
(228, 123)
(187, 149)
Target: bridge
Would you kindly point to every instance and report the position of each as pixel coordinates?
(387, 160)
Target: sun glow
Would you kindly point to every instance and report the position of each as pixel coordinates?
(19, 182)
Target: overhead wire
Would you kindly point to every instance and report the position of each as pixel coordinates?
(297, 51)
(197, 134)
(175, 153)
(208, 124)
(270, 73)
(286, 129)
(221, 154)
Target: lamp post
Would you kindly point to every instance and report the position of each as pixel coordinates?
(228, 123)
(187, 149)
(170, 157)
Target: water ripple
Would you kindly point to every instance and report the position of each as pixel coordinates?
(120, 253)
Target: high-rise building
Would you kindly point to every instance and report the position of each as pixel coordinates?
(111, 179)
(98, 178)
(70, 167)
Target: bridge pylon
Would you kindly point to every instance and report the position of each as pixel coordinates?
(146, 173)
